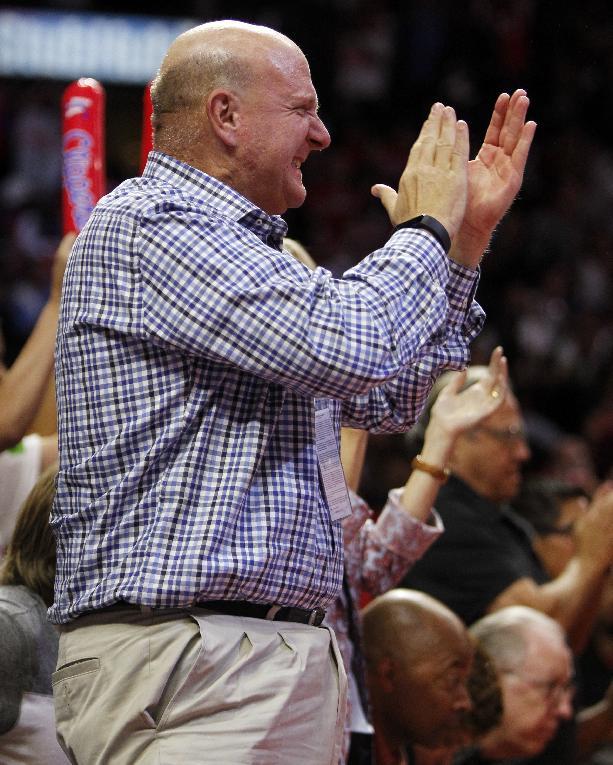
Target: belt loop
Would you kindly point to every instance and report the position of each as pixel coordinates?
(273, 611)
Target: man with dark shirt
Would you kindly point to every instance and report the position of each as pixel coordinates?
(485, 560)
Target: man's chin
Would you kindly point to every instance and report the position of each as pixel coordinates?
(510, 489)
(530, 747)
(452, 736)
(296, 198)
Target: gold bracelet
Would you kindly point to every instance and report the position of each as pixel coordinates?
(441, 474)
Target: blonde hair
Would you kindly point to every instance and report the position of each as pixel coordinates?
(299, 252)
(30, 556)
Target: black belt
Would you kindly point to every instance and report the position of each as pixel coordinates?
(313, 616)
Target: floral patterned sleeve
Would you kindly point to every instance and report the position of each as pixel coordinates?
(352, 524)
(390, 545)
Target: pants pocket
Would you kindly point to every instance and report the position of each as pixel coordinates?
(68, 678)
(74, 669)
(72, 687)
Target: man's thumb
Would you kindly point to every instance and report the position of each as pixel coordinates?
(387, 195)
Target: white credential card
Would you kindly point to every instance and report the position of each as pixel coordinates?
(330, 464)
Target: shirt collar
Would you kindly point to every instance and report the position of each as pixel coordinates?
(167, 169)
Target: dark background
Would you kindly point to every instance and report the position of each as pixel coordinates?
(378, 66)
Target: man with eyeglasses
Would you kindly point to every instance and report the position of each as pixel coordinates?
(485, 560)
(534, 667)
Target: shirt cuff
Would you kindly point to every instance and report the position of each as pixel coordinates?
(403, 534)
(461, 289)
(421, 244)
(360, 513)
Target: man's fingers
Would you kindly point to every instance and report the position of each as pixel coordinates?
(495, 357)
(425, 146)
(503, 371)
(514, 122)
(492, 134)
(497, 372)
(461, 148)
(388, 197)
(426, 129)
(519, 156)
(500, 385)
(457, 381)
(434, 180)
(446, 141)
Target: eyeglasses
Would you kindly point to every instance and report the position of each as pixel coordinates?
(511, 434)
(552, 691)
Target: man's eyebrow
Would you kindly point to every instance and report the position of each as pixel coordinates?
(308, 99)
(457, 662)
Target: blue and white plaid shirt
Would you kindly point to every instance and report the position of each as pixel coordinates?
(190, 351)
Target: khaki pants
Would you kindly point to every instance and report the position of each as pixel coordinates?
(174, 687)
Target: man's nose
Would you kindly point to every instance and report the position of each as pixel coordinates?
(319, 138)
(564, 710)
(521, 450)
(462, 701)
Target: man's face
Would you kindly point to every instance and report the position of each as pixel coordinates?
(280, 129)
(491, 455)
(556, 547)
(536, 697)
(430, 695)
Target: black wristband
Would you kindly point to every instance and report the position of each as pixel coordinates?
(435, 227)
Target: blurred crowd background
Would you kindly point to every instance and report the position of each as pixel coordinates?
(378, 66)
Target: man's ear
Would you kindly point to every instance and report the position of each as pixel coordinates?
(386, 672)
(223, 111)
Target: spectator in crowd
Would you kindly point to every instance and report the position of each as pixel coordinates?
(22, 388)
(484, 715)
(571, 461)
(552, 508)
(202, 377)
(28, 649)
(595, 666)
(535, 672)
(418, 658)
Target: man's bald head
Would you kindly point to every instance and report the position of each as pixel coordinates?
(418, 654)
(406, 621)
(219, 54)
(505, 635)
